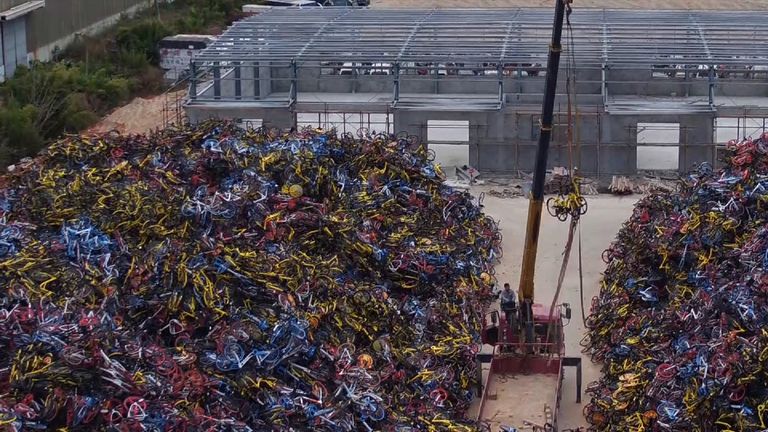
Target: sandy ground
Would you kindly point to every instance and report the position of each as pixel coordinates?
(598, 228)
(607, 4)
(138, 116)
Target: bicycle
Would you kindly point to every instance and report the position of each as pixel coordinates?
(571, 204)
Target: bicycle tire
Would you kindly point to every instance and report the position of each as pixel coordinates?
(347, 136)
(361, 297)
(606, 256)
(372, 381)
(562, 217)
(378, 414)
(583, 206)
(499, 251)
(401, 136)
(431, 155)
(551, 207)
(585, 342)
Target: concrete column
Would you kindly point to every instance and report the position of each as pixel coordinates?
(216, 80)
(264, 76)
(476, 135)
(248, 85)
(281, 118)
(618, 151)
(697, 141)
(410, 122)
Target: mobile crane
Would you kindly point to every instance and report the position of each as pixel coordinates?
(531, 348)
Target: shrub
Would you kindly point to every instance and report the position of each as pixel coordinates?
(202, 14)
(130, 62)
(197, 20)
(151, 80)
(78, 114)
(65, 97)
(142, 38)
(19, 135)
(226, 9)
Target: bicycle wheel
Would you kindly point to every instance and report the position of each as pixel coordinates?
(562, 216)
(499, 251)
(431, 155)
(585, 342)
(552, 206)
(361, 298)
(347, 137)
(606, 256)
(371, 380)
(583, 205)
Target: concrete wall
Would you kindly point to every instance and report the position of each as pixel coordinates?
(627, 80)
(59, 19)
(505, 140)
(272, 117)
(56, 24)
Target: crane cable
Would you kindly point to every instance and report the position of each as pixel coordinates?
(570, 91)
(573, 125)
(573, 109)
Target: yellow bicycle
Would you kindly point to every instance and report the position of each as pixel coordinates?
(572, 204)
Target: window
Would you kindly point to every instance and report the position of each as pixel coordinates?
(658, 146)
(346, 122)
(448, 131)
(449, 139)
(671, 70)
(738, 128)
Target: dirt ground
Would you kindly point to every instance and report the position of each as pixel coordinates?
(598, 228)
(607, 4)
(138, 116)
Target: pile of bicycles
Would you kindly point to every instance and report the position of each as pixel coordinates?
(213, 278)
(680, 321)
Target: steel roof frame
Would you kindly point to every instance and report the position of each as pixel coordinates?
(512, 36)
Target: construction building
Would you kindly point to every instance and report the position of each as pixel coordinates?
(651, 89)
(35, 30)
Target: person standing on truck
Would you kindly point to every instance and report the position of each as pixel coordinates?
(508, 304)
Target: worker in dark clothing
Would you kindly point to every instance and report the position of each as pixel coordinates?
(508, 304)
